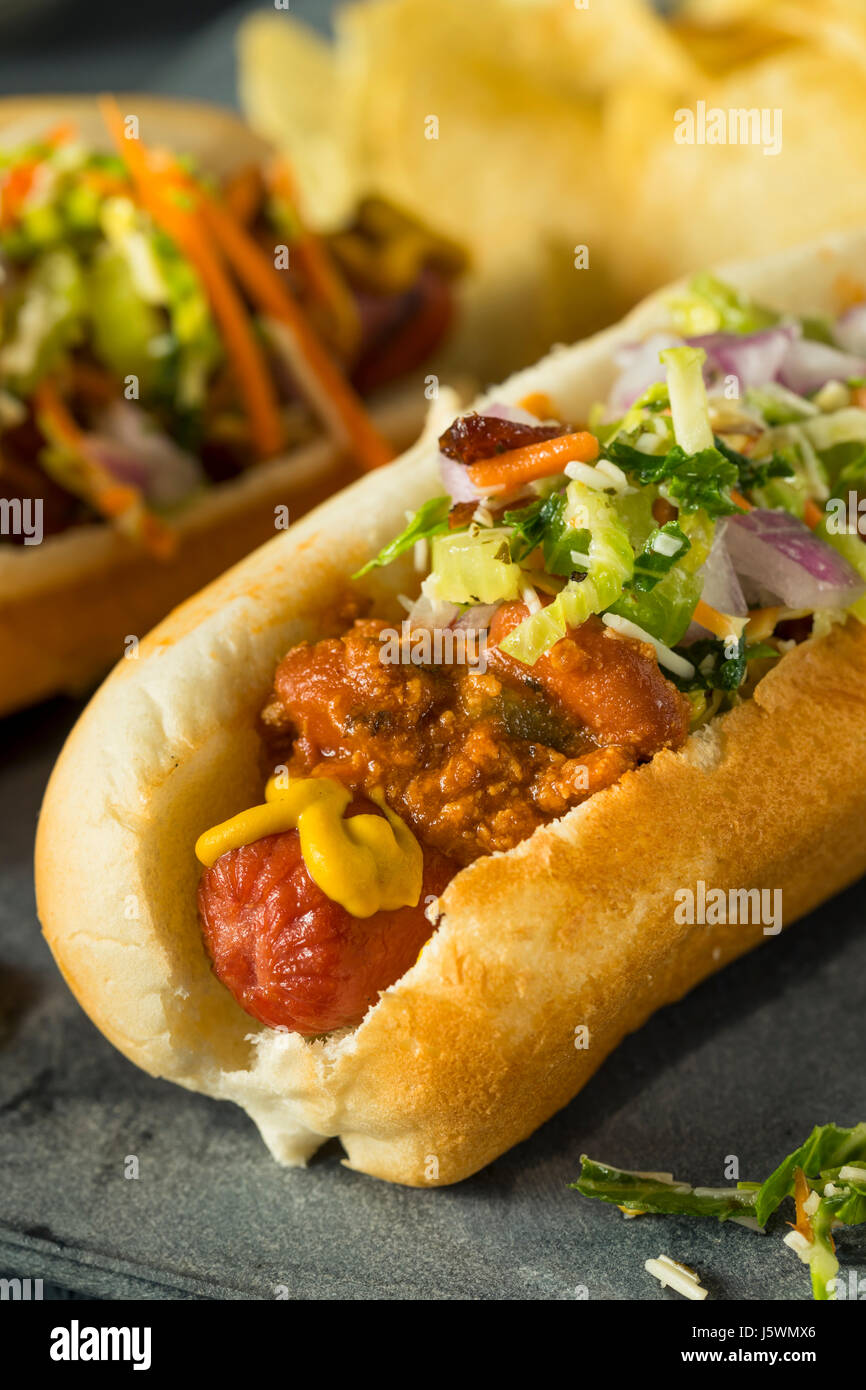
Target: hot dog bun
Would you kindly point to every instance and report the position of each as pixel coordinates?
(67, 605)
(475, 1046)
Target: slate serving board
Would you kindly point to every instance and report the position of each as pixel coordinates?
(745, 1065)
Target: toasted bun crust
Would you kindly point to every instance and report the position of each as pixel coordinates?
(67, 605)
(575, 929)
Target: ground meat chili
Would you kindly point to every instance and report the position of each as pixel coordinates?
(475, 437)
(610, 684)
(474, 762)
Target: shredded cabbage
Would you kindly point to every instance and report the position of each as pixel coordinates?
(610, 568)
(473, 567)
(689, 409)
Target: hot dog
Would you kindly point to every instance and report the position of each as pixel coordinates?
(291, 955)
(183, 366)
(663, 634)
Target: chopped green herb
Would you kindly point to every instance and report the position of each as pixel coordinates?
(829, 1152)
(664, 547)
(431, 519)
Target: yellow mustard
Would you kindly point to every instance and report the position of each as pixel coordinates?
(364, 863)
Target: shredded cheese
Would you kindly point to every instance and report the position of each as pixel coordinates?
(671, 1274)
(796, 1241)
(616, 475)
(530, 598)
(585, 473)
(750, 1223)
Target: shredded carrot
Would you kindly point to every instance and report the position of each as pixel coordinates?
(185, 228)
(540, 460)
(721, 625)
(741, 501)
(15, 189)
(538, 404)
(334, 399)
(329, 288)
(248, 360)
(337, 404)
(813, 515)
(243, 192)
(802, 1191)
(762, 622)
(858, 397)
(116, 501)
(803, 1224)
(105, 184)
(62, 134)
(155, 536)
(320, 271)
(282, 181)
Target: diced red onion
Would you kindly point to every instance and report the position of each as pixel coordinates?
(779, 353)
(641, 369)
(808, 365)
(477, 618)
(780, 553)
(133, 450)
(722, 589)
(850, 331)
(432, 613)
(457, 482)
(753, 358)
(123, 466)
(500, 411)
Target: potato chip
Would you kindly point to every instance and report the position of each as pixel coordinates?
(721, 34)
(289, 87)
(463, 137)
(700, 203)
(583, 51)
(540, 135)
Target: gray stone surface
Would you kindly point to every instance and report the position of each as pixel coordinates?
(746, 1065)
